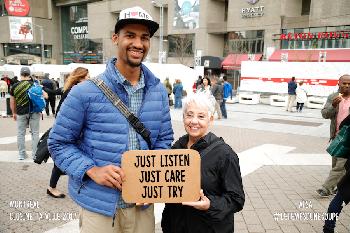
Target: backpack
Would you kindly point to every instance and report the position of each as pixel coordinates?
(37, 101)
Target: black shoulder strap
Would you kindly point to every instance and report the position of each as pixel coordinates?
(132, 119)
(210, 147)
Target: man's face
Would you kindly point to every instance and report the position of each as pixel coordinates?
(133, 42)
(344, 85)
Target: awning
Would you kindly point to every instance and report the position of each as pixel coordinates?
(211, 62)
(233, 61)
(311, 55)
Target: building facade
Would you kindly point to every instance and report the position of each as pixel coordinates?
(80, 31)
(32, 37)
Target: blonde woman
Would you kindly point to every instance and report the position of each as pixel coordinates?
(78, 75)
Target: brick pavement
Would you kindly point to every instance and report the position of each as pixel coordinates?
(274, 190)
(269, 190)
(28, 182)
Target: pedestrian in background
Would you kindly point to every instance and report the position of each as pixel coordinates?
(197, 84)
(227, 94)
(301, 96)
(49, 88)
(343, 191)
(78, 75)
(222, 192)
(3, 88)
(205, 87)
(20, 106)
(292, 86)
(177, 90)
(217, 90)
(8, 82)
(169, 89)
(14, 81)
(337, 108)
(90, 134)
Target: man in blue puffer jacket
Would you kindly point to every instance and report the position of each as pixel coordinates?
(90, 134)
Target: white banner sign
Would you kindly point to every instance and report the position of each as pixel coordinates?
(21, 29)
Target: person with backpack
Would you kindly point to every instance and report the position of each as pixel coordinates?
(23, 112)
(222, 192)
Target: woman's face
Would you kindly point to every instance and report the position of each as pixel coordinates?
(205, 82)
(196, 121)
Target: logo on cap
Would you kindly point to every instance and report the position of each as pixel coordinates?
(135, 13)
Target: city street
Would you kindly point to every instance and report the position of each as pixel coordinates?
(282, 158)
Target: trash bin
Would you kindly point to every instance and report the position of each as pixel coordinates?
(8, 108)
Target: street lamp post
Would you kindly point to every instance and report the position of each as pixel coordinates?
(42, 45)
(161, 32)
(42, 42)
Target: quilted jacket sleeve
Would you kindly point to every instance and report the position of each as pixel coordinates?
(165, 137)
(65, 135)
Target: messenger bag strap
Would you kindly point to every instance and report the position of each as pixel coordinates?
(132, 119)
(210, 147)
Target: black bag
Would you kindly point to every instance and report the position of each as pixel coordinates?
(42, 152)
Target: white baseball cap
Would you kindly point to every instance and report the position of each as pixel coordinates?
(136, 15)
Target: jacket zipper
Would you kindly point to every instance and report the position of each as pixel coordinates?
(115, 212)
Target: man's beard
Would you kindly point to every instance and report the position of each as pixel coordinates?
(134, 64)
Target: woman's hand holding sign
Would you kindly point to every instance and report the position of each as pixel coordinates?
(202, 204)
(110, 175)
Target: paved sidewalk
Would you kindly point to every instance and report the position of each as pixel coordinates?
(282, 158)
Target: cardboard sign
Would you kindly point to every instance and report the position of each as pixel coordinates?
(161, 176)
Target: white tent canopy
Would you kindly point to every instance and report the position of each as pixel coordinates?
(55, 71)
(173, 71)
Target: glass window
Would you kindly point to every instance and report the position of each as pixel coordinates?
(3, 11)
(181, 45)
(291, 44)
(226, 10)
(32, 49)
(305, 7)
(284, 44)
(300, 44)
(76, 45)
(245, 42)
(306, 44)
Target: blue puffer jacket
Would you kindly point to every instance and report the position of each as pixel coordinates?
(89, 131)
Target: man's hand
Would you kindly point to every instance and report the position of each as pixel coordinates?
(110, 176)
(337, 100)
(202, 204)
(14, 116)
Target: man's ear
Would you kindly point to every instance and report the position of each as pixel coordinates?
(115, 38)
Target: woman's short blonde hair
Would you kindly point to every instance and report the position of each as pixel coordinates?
(200, 99)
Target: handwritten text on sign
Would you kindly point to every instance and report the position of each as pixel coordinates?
(169, 176)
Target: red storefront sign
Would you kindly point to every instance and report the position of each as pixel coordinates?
(17, 7)
(316, 35)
